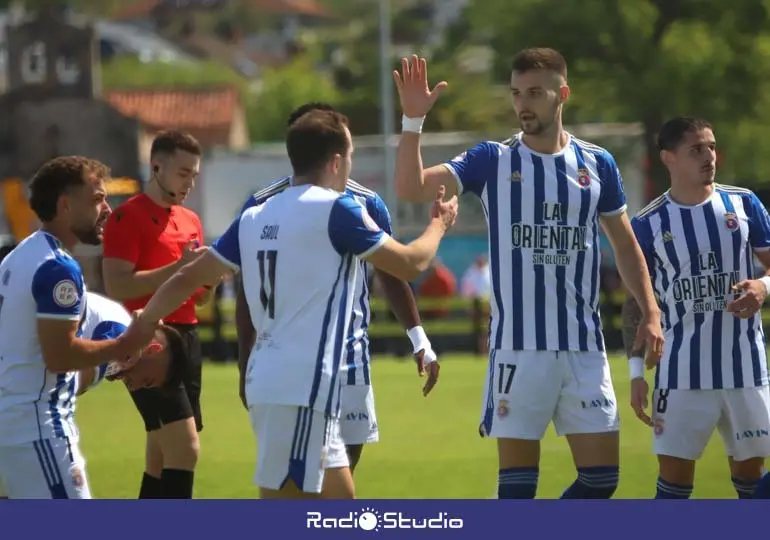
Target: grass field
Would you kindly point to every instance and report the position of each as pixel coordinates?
(429, 448)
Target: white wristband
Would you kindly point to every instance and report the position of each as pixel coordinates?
(766, 281)
(413, 125)
(419, 339)
(636, 367)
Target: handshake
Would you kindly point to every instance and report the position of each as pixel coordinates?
(147, 356)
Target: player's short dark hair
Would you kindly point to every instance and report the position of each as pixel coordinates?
(6, 250)
(57, 177)
(539, 58)
(314, 138)
(168, 142)
(300, 111)
(673, 132)
(179, 358)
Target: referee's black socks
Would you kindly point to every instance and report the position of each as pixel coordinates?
(177, 483)
(152, 487)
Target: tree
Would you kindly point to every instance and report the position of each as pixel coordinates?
(647, 60)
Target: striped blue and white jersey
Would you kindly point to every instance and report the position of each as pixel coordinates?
(544, 256)
(38, 280)
(695, 255)
(299, 256)
(355, 367)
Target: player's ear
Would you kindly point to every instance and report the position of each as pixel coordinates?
(564, 93)
(666, 157)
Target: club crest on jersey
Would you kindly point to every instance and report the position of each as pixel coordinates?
(583, 178)
(502, 408)
(731, 221)
(65, 293)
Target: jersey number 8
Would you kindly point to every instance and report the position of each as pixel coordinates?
(267, 280)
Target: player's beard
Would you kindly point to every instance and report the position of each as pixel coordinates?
(90, 235)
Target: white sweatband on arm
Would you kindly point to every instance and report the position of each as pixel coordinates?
(420, 342)
(766, 281)
(636, 367)
(412, 125)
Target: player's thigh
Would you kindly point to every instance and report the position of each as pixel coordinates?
(193, 378)
(520, 395)
(683, 421)
(293, 443)
(745, 422)
(46, 469)
(358, 419)
(587, 402)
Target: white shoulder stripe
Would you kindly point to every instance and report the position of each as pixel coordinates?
(273, 188)
(733, 189)
(355, 186)
(588, 146)
(654, 205)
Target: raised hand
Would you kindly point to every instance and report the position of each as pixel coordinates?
(413, 91)
(446, 211)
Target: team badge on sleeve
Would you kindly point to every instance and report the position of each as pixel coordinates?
(65, 293)
(731, 221)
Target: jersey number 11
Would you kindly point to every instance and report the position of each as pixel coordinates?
(267, 280)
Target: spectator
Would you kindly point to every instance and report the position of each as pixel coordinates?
(439, 283)
(476, 286)
(475, 283)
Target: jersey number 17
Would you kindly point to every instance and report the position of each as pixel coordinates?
(267, 280)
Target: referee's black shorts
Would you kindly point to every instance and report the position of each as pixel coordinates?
(159, 407)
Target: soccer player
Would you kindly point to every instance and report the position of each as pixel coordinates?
(298, 254)
(545, 194)
(107, 319)
(358, 419)
(700, 239)
(146, 240)
(42, 310)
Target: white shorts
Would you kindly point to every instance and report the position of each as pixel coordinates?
(358, 421)
(526, 390)
(684, 420)
(295, 443)
(47, 469)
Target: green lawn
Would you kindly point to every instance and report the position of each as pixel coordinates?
(429, 447)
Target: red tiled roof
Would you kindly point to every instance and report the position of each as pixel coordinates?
(181, 108)
(142, 8)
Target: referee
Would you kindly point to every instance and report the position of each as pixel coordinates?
(146, 240)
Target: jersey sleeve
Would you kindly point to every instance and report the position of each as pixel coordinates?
(122, 237)
(108, 330)
(352, 230)
(759, 224)
(250, 203)
(227, 247)
(474, 167)
(379, 213)
(643, 232)
(612, 200)
(58, 288)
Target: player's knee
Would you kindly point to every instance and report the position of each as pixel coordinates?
(594, 483)
(181, 452)
(517, 483)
